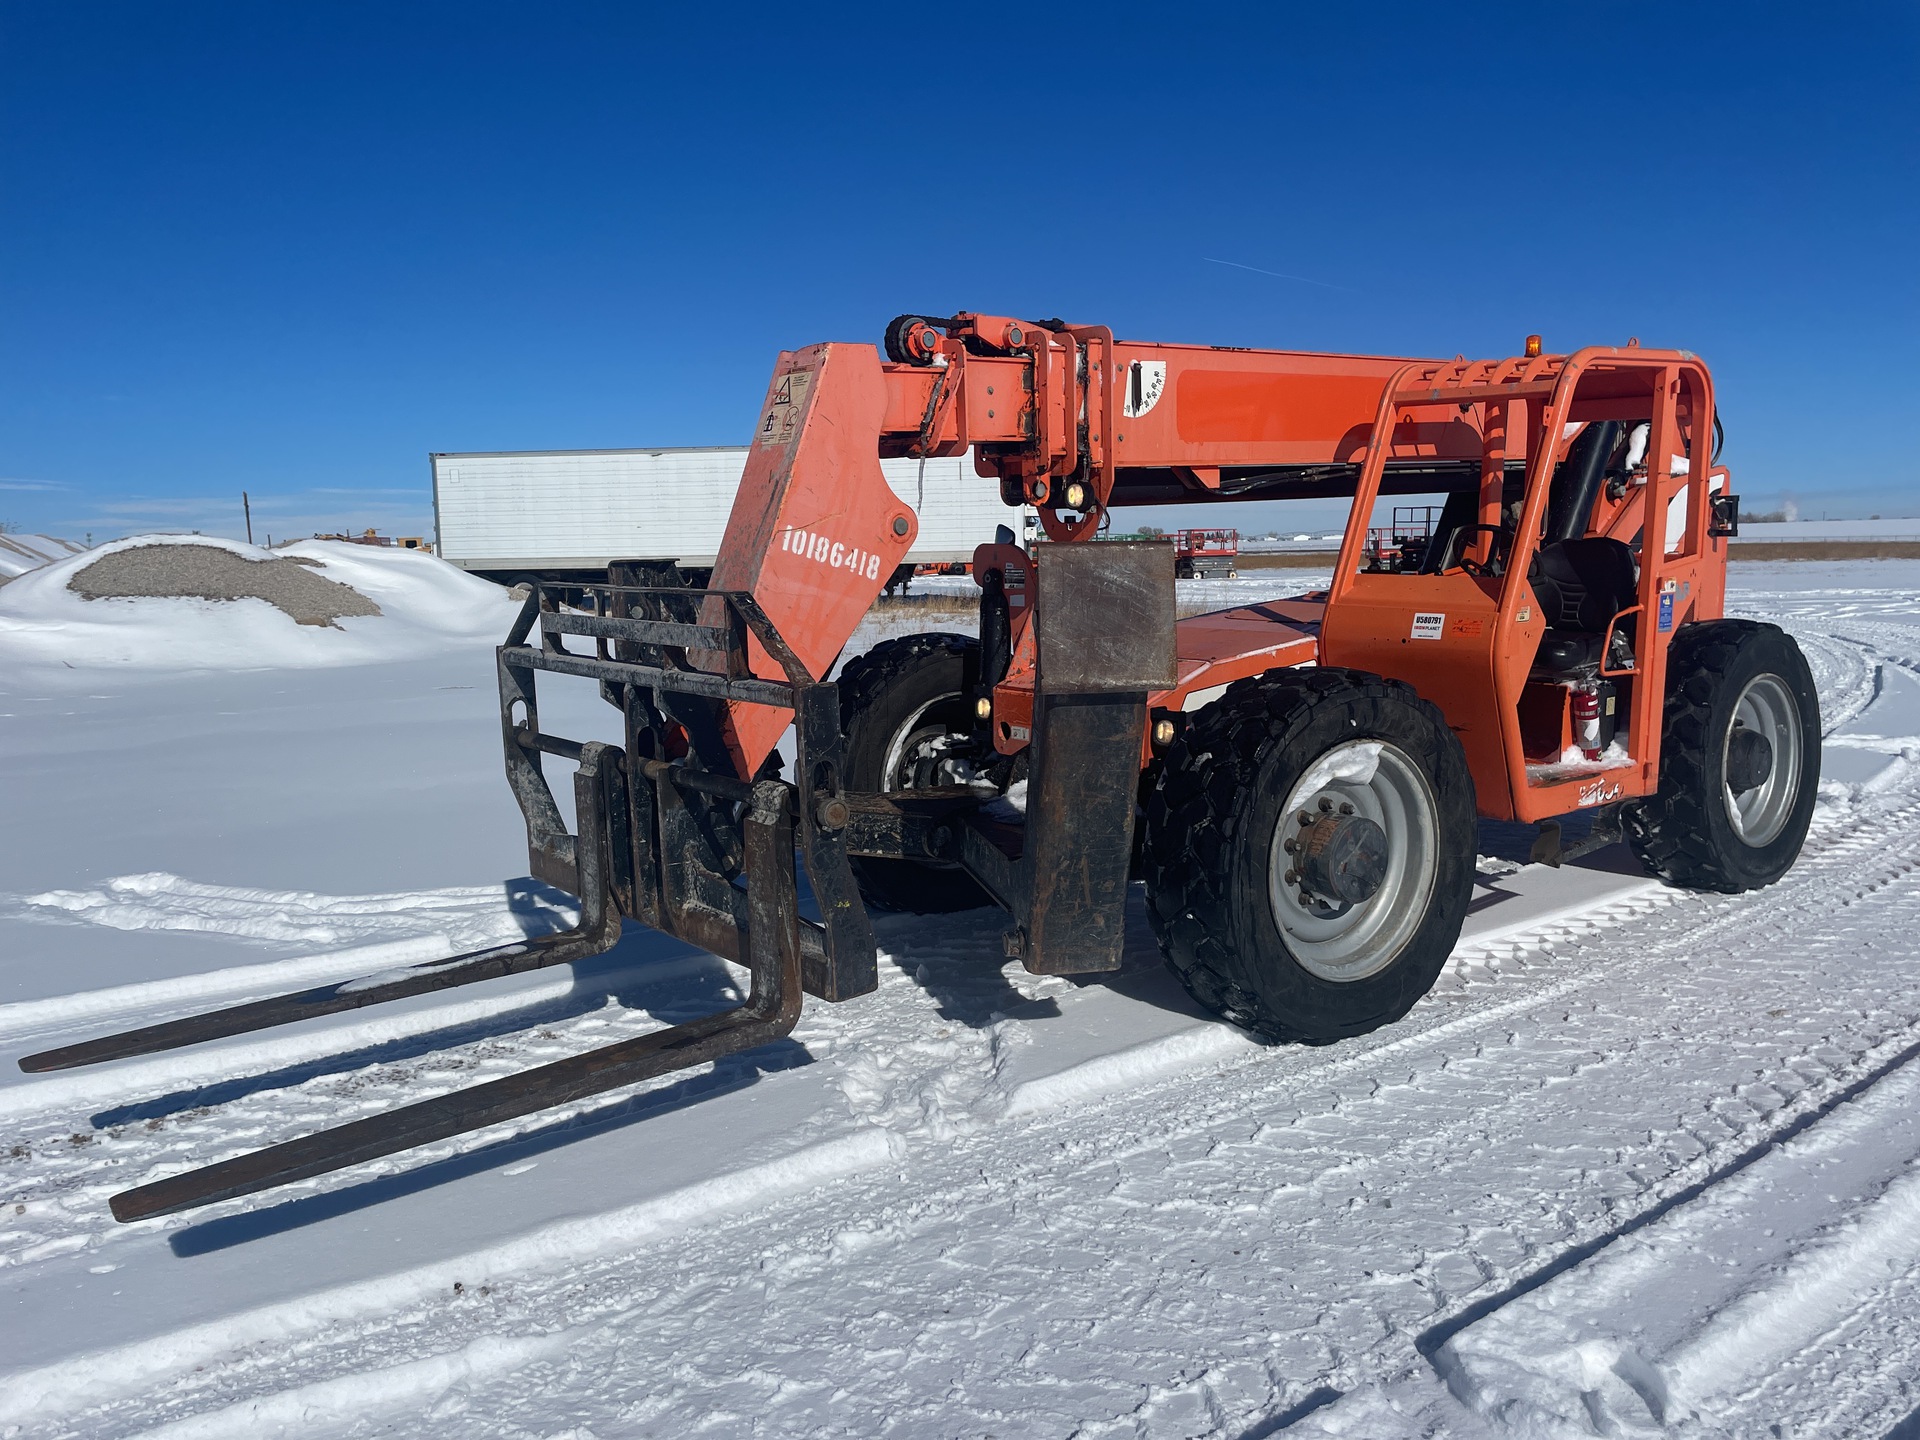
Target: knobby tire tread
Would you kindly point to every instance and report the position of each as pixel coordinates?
(864, 676)
(905, 886)
(1191, 819)
(1672, 831)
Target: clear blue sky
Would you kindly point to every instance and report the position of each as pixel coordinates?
(292, 248)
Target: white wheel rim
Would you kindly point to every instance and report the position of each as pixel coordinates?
(915, 731)
(1767, 707)
(1355, 941)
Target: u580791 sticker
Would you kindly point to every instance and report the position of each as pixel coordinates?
(1428, 625)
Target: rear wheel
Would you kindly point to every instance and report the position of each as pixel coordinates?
(1739, 760)
(906, 708)
(1310, 853)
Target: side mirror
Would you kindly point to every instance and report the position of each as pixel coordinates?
(1723, 516)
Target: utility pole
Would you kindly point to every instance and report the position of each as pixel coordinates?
(247, 505)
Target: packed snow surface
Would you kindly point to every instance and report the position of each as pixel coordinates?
(1645, 1162)
(21, 553)
(1879, 527)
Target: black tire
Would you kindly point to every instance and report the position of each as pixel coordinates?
(920, 679)
(1213, 824)
(1692, 833)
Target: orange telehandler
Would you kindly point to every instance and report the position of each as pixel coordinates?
(1295, 781)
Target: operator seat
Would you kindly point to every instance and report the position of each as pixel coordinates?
(1580, 586)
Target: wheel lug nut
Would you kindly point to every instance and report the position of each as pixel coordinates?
(1288, 846)
(1346, 809)
(1305, 818)
(1326, 806)
(1291, 876)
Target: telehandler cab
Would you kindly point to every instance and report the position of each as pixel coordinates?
(1296, 781)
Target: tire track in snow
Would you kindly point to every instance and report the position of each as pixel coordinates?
(1842, 839)
(1179, 1157)
(1718, 1291)
(200, 1132)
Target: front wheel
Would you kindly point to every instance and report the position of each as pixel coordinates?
(906, 708)
(1739, 760)
(1310, 853)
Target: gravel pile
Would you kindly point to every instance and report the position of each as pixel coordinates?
(206, 572)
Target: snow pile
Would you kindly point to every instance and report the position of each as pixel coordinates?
(21, 553)
(171, 602)
(207, 572)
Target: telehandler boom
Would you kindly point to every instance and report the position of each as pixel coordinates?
(1295, 781)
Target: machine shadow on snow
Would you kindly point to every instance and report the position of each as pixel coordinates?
(970, 988)
(963, 975)
(970, 985)
(1143, 976)
(538, 908)
(673, 982)
(967, 978)
(730, 1073)
(647, 971)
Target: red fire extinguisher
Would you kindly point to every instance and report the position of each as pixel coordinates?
(1586, 720)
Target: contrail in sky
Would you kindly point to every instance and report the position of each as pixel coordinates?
(1277, 274)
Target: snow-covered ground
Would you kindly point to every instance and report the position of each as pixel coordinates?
(21, 553)
(1880, 527)
(1644, 1162)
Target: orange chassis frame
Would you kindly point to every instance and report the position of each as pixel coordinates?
(1072, 421)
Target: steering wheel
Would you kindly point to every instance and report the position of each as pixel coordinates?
(1494, 566)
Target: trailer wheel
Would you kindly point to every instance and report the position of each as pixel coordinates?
(1739, 760)
(898, 702)
(1310, 853)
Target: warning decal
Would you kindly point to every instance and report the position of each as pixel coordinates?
(785, 409)
(1145, 380)
(1428, 626)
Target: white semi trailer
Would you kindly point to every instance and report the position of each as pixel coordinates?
(561, 515)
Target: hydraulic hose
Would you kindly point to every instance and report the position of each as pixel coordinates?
(1570, 502)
